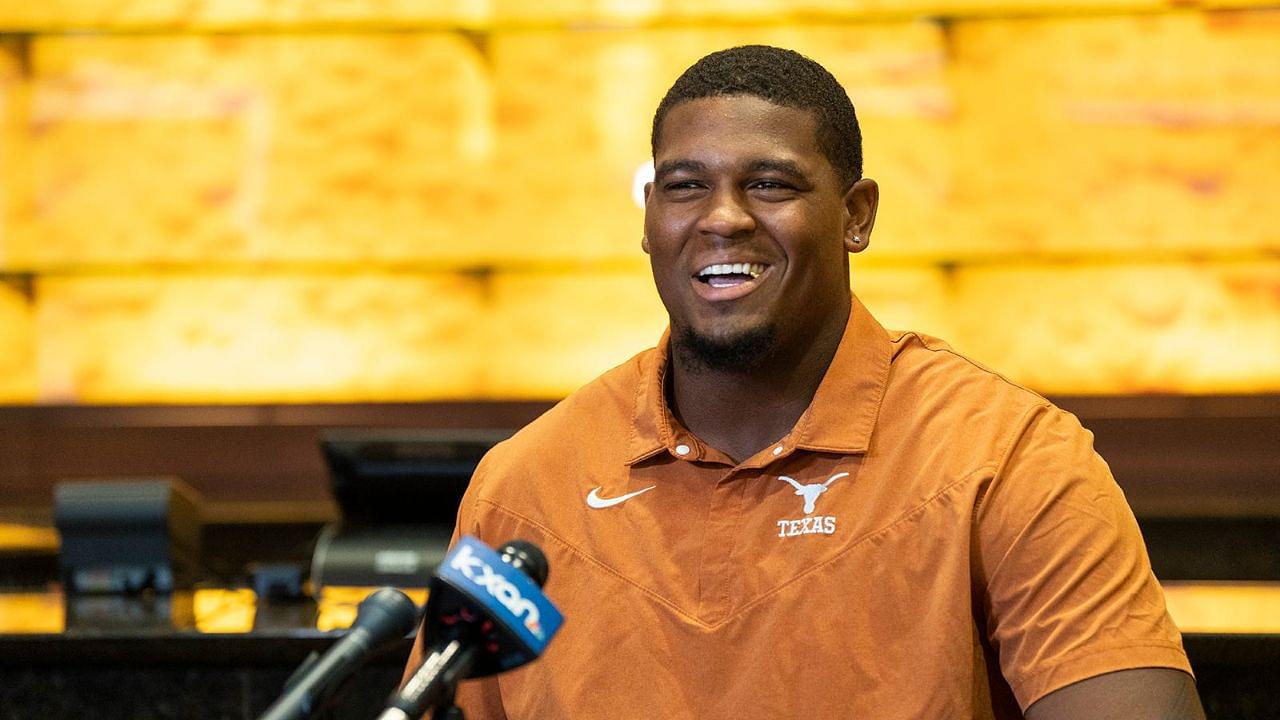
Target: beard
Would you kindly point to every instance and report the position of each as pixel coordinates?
(739, 352)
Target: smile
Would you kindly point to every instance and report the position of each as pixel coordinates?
(729, 281)
(728, 275)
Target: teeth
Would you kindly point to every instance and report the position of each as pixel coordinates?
(752, 269)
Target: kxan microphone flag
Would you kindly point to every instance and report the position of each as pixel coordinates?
(485, 614)
(476, 577)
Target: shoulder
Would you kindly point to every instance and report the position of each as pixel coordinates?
(938, 397)
(589, 427)
(922, 362)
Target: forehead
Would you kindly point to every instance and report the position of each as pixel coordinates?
(737, 124)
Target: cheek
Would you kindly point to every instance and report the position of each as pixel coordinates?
(659, 228)
(663, 238)
(665, 284)
(666, 280)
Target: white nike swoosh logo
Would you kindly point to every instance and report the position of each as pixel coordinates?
(594, 500)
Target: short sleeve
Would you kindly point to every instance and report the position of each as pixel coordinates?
(1067, 587)
(479, 699)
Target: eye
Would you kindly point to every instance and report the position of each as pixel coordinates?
(772, 187)
(678, 190)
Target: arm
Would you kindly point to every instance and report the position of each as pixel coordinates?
(1065, 590)
(1142, 694)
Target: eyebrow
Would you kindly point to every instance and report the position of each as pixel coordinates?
(786, 167)
(671, 166)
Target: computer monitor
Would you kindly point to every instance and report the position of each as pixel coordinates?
(394, 477)
(399, 492)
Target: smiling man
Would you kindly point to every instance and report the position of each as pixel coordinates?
(784, 510)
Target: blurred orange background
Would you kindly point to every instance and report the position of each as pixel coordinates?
(384, 200)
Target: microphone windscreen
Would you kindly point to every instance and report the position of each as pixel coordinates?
(527, 557)
(386, 614)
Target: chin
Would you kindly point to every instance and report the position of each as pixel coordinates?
(731, 350)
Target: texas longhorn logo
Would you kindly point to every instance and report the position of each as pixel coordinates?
(810, 524)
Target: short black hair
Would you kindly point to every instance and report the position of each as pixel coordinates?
(783, 77)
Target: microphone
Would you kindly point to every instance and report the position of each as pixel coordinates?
(386, 615)
(486, 614)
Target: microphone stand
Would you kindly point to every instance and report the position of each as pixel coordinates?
(445, 709)
(434, 683)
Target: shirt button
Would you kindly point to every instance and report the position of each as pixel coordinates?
(777, 451)
(682, 449)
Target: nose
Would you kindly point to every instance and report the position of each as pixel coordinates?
(726, 214)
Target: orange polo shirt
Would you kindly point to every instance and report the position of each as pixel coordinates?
(929, 541)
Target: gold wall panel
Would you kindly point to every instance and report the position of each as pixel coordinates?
(372, 206)
(419, 148)
(1193, 327)
(1060, 329)
(17, 330)
(777, 11)
(12, 141)
(17, 345)
(224, 149)
(1118, 134)
(1224, 607)
(913, 299)
(571, 135)
(249, 339)
(366, 337)
(549, 333)
(32, 612)
(55, 15)
(337, 337)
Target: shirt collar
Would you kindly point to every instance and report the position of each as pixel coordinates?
(840, 418)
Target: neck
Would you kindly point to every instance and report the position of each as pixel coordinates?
(742, 412)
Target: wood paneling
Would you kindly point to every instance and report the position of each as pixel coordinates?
(1175, 456)
(264, 458)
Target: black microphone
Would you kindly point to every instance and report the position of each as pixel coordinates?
(386, 615)
(485, 615)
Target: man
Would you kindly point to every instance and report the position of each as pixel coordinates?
(785, 511)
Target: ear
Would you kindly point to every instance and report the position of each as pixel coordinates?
(860, 204)
(644, 239)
